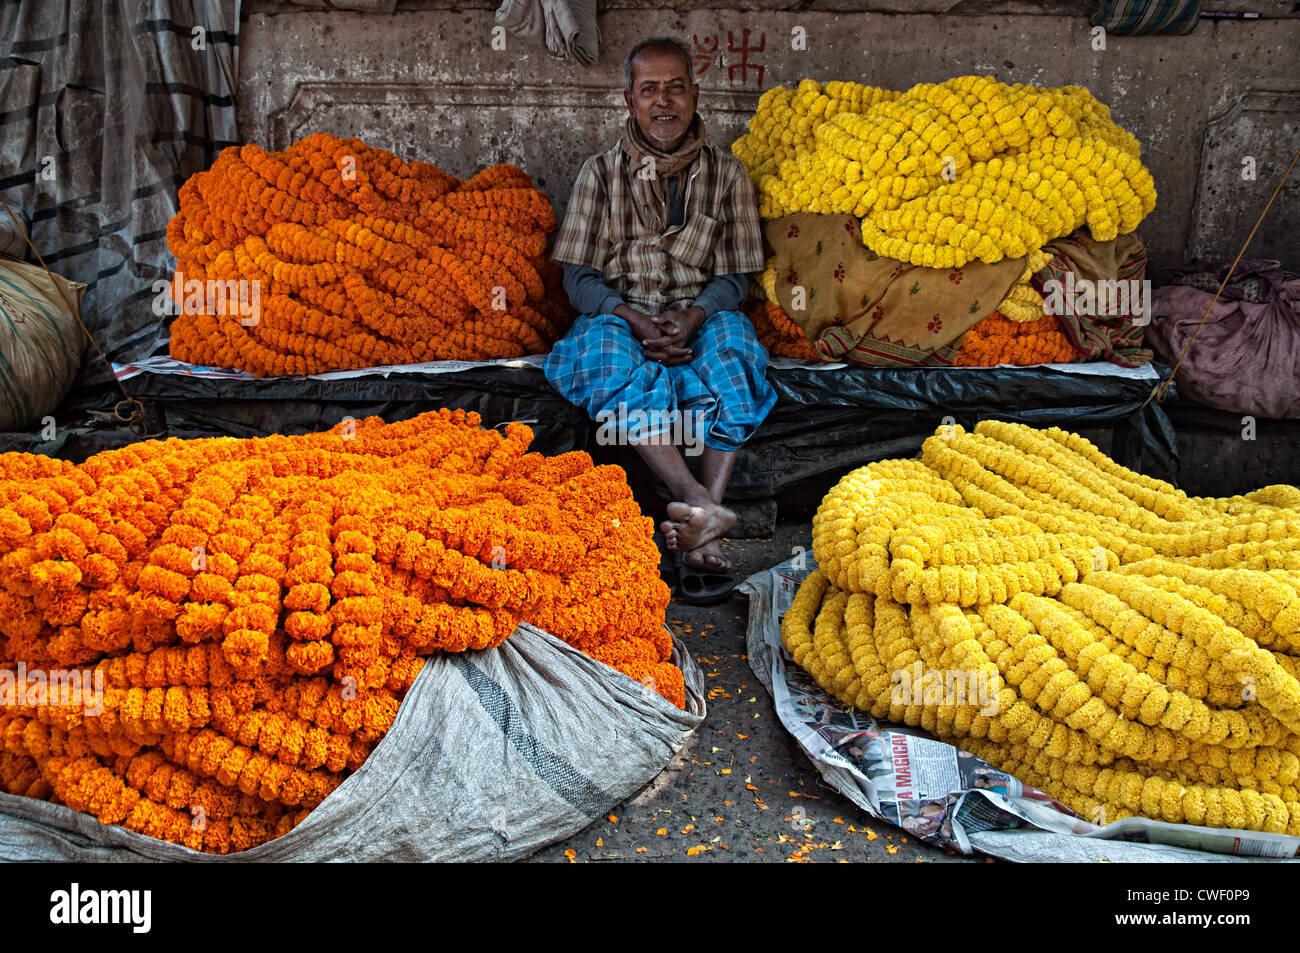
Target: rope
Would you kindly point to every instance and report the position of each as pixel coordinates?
(135, 407)
(1161, 390)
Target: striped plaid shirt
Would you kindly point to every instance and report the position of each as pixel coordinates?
(661, 272)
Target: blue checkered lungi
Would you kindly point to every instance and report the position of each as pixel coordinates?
(599, 366)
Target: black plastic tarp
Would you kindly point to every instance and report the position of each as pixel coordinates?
(826, 421)
(829, 420)
(291, 405)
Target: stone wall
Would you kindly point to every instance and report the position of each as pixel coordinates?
(425, 82)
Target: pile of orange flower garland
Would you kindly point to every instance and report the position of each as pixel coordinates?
(255, 610)
(358, 259)
(778, 333)
(998, 340)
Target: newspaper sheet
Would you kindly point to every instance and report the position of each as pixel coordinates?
(939, 793)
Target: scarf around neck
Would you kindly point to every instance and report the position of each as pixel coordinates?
(651, 193)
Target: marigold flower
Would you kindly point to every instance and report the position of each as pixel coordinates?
(360, 259)
(1110, 632)
(274, 600)
(943, 173)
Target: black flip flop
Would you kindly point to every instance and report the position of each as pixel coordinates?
(699, 587)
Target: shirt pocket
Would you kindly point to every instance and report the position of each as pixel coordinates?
(694, 243)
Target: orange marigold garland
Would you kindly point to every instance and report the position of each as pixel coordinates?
(997, 340)
(780, 335)
(358, 258)
(250, 613)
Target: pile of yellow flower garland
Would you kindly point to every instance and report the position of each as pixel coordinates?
(948, 172)
(787, 120)
(1023, 304)
(1140, 646)
(255, 610)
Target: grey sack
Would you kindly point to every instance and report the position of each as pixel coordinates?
(493, 755)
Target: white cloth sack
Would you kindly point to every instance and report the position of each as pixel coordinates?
(493, 755)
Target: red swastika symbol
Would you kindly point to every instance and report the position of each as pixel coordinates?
(745, 65)
(704, 54)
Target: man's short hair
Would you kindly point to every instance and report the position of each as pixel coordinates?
(657, 43)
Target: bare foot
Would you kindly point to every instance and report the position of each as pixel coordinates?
(707, 558)
(690, 526)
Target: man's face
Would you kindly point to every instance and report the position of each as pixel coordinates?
(662, 99)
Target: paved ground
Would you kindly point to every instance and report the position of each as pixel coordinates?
(741, 790)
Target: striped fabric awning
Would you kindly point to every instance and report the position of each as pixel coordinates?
(1128, 17)
(106, 108)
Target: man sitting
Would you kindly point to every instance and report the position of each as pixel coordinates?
(660, 234)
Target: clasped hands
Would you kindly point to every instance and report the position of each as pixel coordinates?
(663, 336)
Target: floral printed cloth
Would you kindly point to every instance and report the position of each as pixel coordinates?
(864, 309)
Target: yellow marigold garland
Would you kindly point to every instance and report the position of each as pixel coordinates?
(255, 610)
(949, 172)
(1137, 649)
(787, 119)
